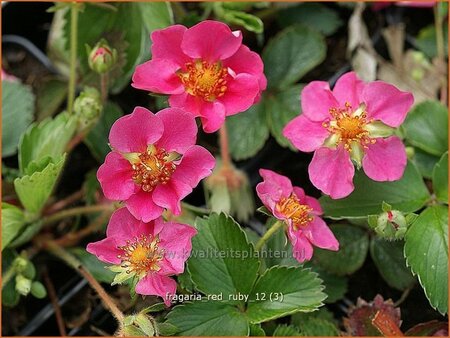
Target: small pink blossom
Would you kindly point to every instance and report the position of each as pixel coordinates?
(154, 162)
(205, 69)
(300, 212)
(356, 121)
(149, 252)
(376, 6)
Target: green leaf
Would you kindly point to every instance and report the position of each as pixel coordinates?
(425, 127)
(424, 162)
(223, 261)
(26, 234)
(285, 330)
(388, 258)
(282, 291)
(440, 179)
(291, 54)
(247, 132)
(208, 319)
(280, 109)
(426, 41)
(335, 286)
(426, 252)
(256, 331)
(47, 138)
(97, 139)
(34, 190)
(10, 297)
(318, 327)
(17, 114)
(185, 281)
(155, 15)
(314, 15)
(50, 96)
(13, 220)
(407, 194)
(93, 265)
(249, 21)
(353, 247)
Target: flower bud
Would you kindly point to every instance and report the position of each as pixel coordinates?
(230, 192)
(390, 224)
(23, 285)
(102, 57)
(88, 106)
(139, 325)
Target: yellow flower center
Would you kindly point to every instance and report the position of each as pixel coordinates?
(204, 80)
(153, 167)
(348, 127)
(141, 255)
(292, 209)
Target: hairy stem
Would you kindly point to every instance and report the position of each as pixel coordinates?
(73, 262)
(224, 147)
(8, 275)
(73, 56)
(87, 209)
(274, 228)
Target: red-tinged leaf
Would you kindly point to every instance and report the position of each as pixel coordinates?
(431, 328)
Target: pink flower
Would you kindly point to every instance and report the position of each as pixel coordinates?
(147, 252)
(154, 163)
(300, 212)
(376, 6)
(205, 69)
(356, 122)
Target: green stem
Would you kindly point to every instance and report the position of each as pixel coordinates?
(438, 23)
(6, 277)
(193, 208)
(87, 209)
(73, 56)
(73, 262)
(104, 78)
(274, 228)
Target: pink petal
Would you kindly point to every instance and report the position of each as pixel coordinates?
(331, 171)
(167, 197)
(348, 88)
(246, 61)
(157, 285)
(176, 240)
(301, 247)
(187, 102)
(115, 177)
(142, 207)
(180, 130)
(272, 189)
(386, 103)
(122, 225)
(210, 41)
(134, 132)
(385, 160)
(319, 234)
(158, 76)
(317, 99)
(167, 44)
(212, 116)
(305, 135)
(240, 94)
(314, 203)
(300, 193)
(106, 250)
(196, 164)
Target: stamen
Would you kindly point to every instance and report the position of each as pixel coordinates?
(291, 208)
(141, 255)
(205, 80)
(154, 167)
(349, 126)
